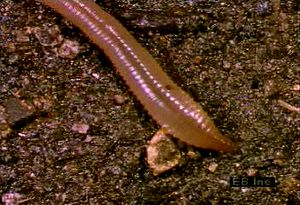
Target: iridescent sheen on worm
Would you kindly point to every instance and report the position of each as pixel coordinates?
(168, 104)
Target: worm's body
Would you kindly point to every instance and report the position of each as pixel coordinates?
(169, 105)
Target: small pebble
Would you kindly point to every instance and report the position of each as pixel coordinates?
(192, 154)
(88, 138)
(296, 88)
(162, 153)
(96, 76)
(69, 49)
(119, 99)
(212, 167)
(251, 172)
(11, 198)
(226, 64)
(81, 128)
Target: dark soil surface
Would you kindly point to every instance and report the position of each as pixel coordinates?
(65, 139)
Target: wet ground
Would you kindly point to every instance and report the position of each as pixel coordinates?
(72, 132)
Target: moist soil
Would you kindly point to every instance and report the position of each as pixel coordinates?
(65, 139)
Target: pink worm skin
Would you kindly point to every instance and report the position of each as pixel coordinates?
(169, 105)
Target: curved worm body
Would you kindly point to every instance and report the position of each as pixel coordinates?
(169, 105)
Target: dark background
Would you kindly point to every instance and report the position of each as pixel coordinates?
(236, 58)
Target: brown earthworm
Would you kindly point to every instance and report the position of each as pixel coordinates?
(168, 104)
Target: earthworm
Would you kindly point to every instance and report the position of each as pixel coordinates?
(169, 105)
